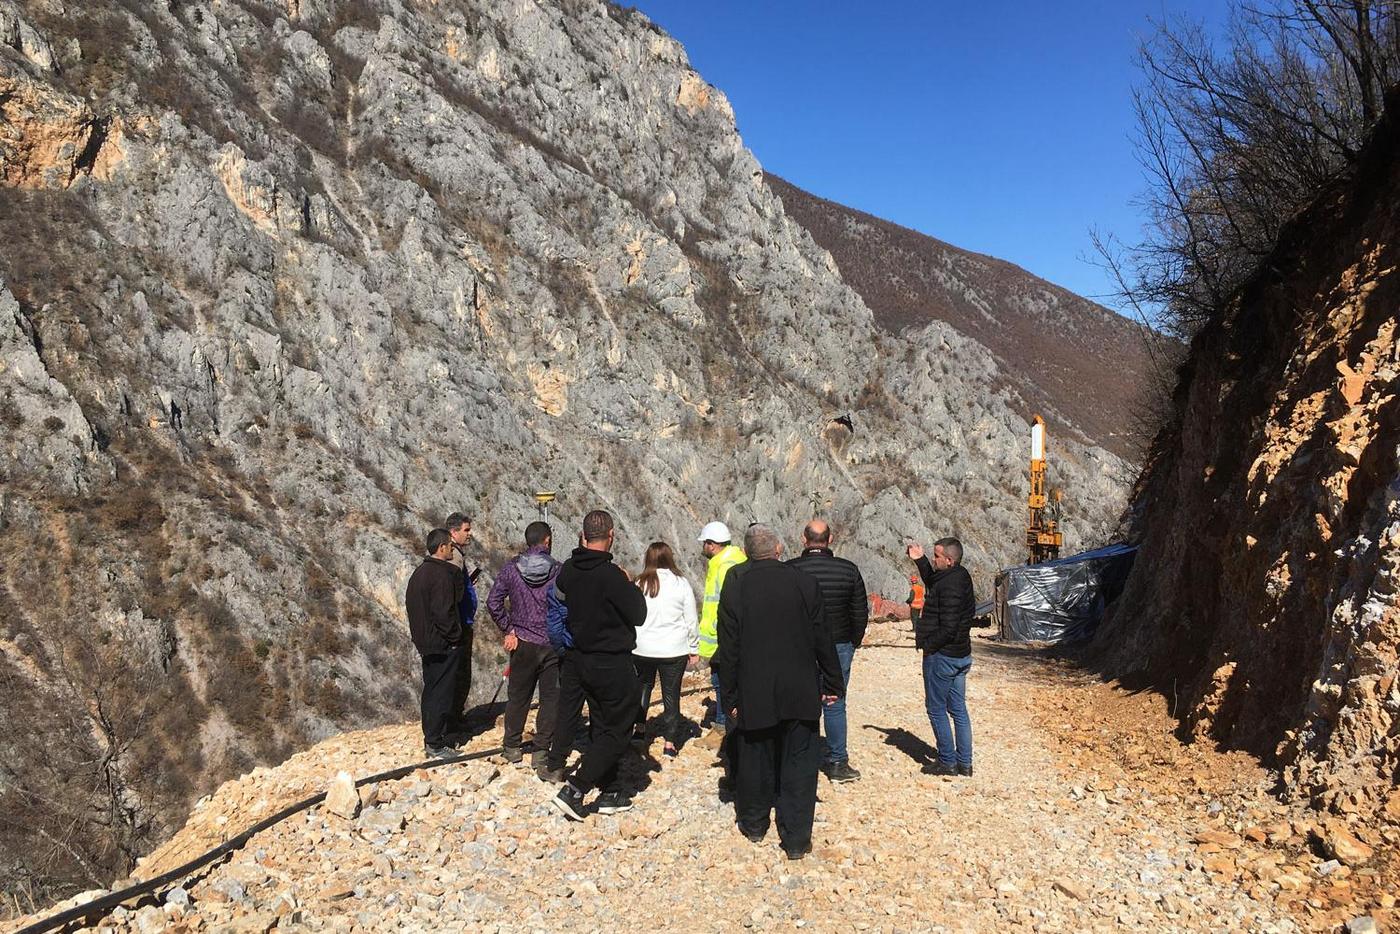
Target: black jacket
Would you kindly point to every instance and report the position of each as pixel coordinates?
(843, 593)
(948, 610)
(605, 608)
(432, 598)
(776, 657)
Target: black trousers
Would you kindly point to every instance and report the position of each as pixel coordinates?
(462, 687)
(439, 686)
(609, 684)
(569, 710)
(671, 670)
(532, 666)
(777, 768)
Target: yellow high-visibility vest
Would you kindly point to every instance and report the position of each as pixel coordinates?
(719, 566)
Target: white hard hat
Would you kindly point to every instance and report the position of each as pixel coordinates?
(715, 532)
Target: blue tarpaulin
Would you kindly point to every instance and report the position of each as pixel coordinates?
(1062, 600)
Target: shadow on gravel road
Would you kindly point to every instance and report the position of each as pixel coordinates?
(906, 742)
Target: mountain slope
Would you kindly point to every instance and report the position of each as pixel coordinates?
(1079, 363)
(283, 282)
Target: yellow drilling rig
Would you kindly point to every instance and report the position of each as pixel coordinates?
(1043, 536)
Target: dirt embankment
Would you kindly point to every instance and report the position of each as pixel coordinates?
(1263, 603)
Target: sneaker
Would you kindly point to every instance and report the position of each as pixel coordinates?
(842, 772)
(613, 802)
(552, 776)
(512, 754)
(440, 752)
(797, 852)
(965, 770)
(569, 801)
(940, 768)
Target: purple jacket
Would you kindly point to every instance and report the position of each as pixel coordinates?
(524, 582)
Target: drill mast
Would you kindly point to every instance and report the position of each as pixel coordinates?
(1043, 536)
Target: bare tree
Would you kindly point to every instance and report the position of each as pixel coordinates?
(1235, 137)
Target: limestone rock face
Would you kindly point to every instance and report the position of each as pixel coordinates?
(284, 283)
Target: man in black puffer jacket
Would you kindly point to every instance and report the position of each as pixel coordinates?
(844, 602)
(942, 634)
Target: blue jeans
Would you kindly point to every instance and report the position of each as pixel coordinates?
(945, 693)
(834, 717)
(721, 717)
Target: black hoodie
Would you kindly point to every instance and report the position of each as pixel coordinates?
(605, 608)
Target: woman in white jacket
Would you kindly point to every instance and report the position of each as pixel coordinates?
(667, 641)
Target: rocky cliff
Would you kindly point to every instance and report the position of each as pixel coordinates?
(285, 281)
(1079, 364)
(1264, 600)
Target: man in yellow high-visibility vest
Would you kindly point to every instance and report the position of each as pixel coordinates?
(715, 543)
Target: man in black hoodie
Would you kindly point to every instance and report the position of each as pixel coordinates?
(942, 633)
(605, 609)
(777, 668)
(432, 599)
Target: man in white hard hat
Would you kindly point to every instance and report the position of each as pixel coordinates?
(716, 544)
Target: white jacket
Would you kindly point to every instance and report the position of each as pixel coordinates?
(672, 628)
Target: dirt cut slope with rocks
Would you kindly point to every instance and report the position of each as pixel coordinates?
(283, 282)
(1264, 599)
(1084, 367)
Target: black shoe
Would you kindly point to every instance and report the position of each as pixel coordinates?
(965, 770)
(613, 802)
(842, 772)
(512, 754)
(569, 801)
(553, 776)
(752, 836)
(797, 852)
(440, 752)
(940, 768)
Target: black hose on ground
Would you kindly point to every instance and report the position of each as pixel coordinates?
(111, 901)
(107, 903)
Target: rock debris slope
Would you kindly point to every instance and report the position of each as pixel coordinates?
(1085, 815)
(285, 281)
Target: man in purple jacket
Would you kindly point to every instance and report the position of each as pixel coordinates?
(518, 604)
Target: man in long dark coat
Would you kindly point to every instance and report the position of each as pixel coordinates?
(778, 666)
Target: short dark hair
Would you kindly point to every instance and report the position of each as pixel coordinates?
(536, 533)
(457, 520)
(951, 547)
(810, 536)
(596, 525)
(437, 538)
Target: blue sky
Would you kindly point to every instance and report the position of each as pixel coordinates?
(1001, 127)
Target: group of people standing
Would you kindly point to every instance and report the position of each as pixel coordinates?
(779, 638)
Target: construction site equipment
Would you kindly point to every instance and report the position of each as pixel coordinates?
(1060, 601)
(1043, 536)
(542, 500)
